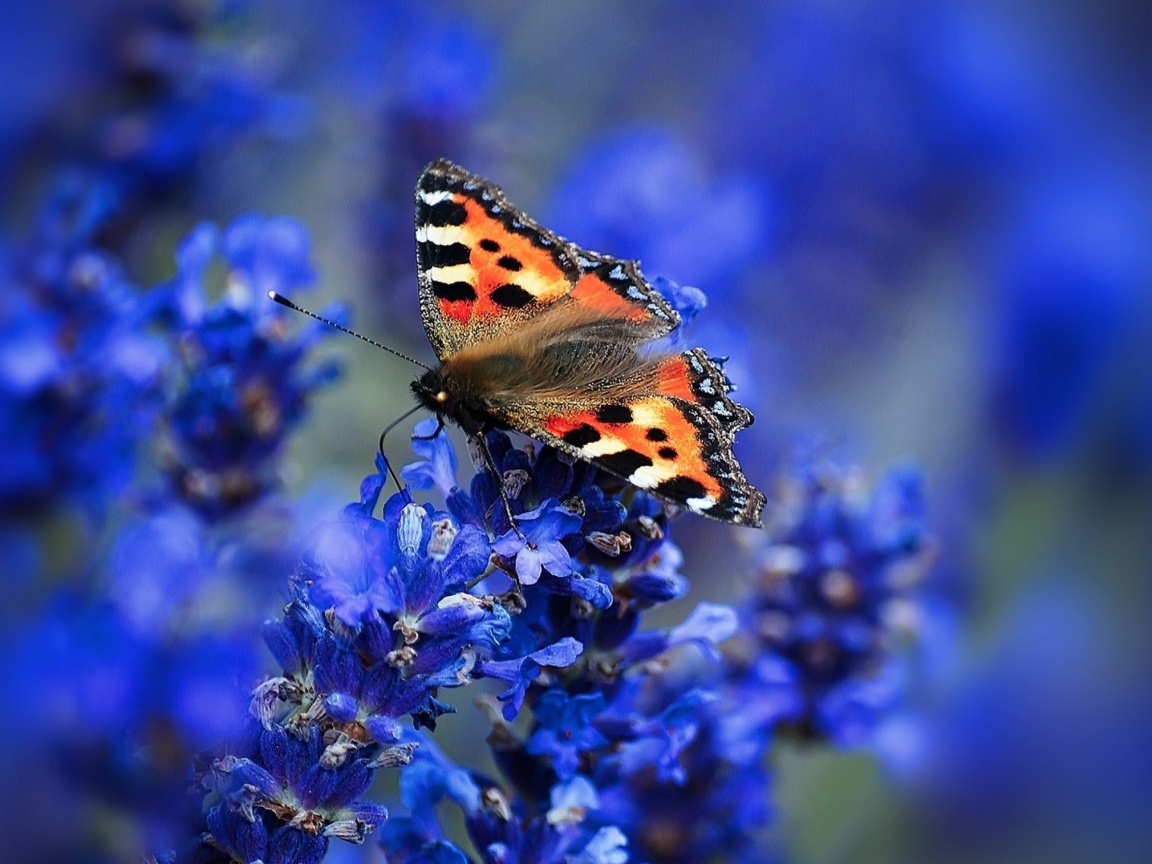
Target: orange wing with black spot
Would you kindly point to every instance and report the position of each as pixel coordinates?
(672, 435)
(485, 268)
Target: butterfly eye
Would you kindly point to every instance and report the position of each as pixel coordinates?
(441, 397)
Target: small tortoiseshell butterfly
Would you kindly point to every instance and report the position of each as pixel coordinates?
(540, 336)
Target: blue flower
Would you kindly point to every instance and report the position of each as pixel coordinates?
(691, 785)
(685, 299)
(607, 846)
(402, 565)
(1071, 273)
(520, 672)
(565, 729)
(438, 466)
(529, 479)
(311, 788)
(347, 577)
(707, 626)
(418, 838)
(654, 579)
(660, 740)
(402, 626)
(508, 835)
(540, 547)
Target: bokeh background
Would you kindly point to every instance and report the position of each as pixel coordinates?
(923, 230)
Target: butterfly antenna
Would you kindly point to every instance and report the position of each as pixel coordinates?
(284, 301)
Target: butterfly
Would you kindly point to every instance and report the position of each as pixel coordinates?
(537, 335)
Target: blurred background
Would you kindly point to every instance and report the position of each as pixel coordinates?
(923, 231)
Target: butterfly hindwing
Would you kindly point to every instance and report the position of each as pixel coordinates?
(486, 268)
(674, 441)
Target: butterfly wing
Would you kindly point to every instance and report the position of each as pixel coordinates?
(486, 269)
(671, 433)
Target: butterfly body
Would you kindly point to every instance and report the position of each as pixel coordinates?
(540, 336)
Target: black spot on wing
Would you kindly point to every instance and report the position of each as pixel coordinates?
(443, 213)
(667, 453)
(581, 436)
(625, 462)
(656, 434)
(489, 245)
(446, 255)
(511, 296)
(454, 291)
(680, 489)
(614, 414)
(509, 263)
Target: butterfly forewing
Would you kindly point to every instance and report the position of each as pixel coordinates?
(485, 268)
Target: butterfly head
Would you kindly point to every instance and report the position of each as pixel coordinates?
(441, 394)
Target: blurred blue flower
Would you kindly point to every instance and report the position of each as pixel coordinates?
(146, 97)
(268, 254)
(837, 595)
(423, 76)
(80, 376)
(644, 193)
(984, 105)
(1071, 271)
(139, 651)
(418, 838)
(999, 772)
(246, 381)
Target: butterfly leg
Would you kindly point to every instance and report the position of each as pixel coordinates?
(490, 464)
